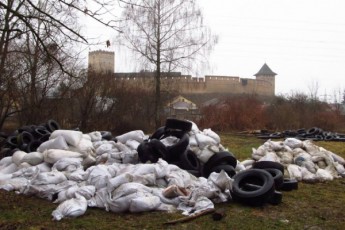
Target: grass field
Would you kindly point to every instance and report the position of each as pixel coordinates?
(312, 206)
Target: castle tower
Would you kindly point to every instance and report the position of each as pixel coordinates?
(102, 61)
(265, 74)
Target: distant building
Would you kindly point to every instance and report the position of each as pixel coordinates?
(195, 87)
(182, 108)
(102, 61)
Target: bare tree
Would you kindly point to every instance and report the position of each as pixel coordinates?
(167, 35)
(36, 40)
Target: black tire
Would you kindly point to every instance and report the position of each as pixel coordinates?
(159, 133)
(106, 135)
(172, 123)
(40, 131)
(52, 125)
(33, 145)
(289, 185)
(44, 138)
(313, 131)
(259, 196)
(175, 150)
(195, 173)
(220, 158)
(227, 168)
(277, 175)
(144, 150)
(276, 198)
(12, 142)
(26, 128)
(24, 138)
(158, 150)
(189, 161)
(268, 164)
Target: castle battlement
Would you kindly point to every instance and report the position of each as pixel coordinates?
(263, 83)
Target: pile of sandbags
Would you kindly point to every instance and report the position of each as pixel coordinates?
(302, 160)
(78, 170)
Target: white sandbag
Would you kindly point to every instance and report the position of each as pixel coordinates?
(247, 162)
(87, 191)
(338, 158)
(204, 154)
(4, 177)
(11, 168)
(129, 188)
(275, 145)
(66, 194)
(323, 175)
(44, 167)
(137, 135)
(68, 164)
(294, 172)
(204, 140)
(270, 156)
(307, 176)
(53, 155)
(95, 136)
(144, 204)
(132, 144)
(285, 157)
(88, 161)
(18, 156)
(70, 208)
(6, 161)
(213, 135)
(240, 167)
(84, 147)
(130, 157)
(293, 143)
(105, 148)
(54, 177)
(13, 184)
(33, 158)
(98, 176)
(56, 143)
(77, 175)
(221, 180)
(192, 141)
(340, 169)
(72, 137)
(24, 165)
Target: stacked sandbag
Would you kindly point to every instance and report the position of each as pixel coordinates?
(302, 160)
(73, 169)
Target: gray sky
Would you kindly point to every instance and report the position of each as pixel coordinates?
(303, 41)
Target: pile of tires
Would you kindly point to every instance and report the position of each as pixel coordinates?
(262, 184)
(26, 138)
(179, 154)
(314, 133)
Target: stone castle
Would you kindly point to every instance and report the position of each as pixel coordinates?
(262, 85)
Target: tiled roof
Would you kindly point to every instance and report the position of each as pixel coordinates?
(265, 70)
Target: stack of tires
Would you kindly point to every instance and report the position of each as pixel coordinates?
(27, 138)
(314, 133)
(262, 184)
(179, 154)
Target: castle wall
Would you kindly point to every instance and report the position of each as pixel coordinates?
(210, 84)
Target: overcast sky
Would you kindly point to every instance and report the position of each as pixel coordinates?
(303, 41)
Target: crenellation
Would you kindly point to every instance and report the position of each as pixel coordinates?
(262, 84)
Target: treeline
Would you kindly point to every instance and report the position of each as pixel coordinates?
(282, 113)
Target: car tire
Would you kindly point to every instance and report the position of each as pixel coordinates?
(257, 197)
